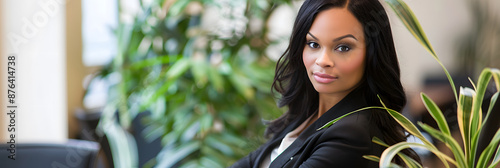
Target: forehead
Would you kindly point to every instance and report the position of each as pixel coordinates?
(336, 22)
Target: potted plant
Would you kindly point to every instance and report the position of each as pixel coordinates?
(207, 88)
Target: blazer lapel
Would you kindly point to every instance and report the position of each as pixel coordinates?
(353, 101)
(276, 140)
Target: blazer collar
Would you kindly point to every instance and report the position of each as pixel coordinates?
(353, 101)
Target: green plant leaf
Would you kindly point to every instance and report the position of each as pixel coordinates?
(162, 90)
(218, 145)
(169, 156)
(464, 111)
(389, 153)
(208, 162)
(472, 83)
(198, 69)
(436, 113)
(372, 158)
(412, 129)
(153, 61)
(496, 77)
(490, 108)
(122, 144)
(406, 124)
(405, 14)
(410, 162)
(206, 122)
(242, 85)
(489, 150)
(379, 141)
(216, 79)
(496, 159)
(449, 141)
(180, 66)
(377, 159)
(476, 118)
(345, 115)
(410, 21)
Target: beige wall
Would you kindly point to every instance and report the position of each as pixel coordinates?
(3, 130)
(56, 51)
(40, 73)
(75, 69)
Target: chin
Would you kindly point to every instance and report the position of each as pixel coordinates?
(323, 88)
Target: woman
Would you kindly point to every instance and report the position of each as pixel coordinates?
(340, 57)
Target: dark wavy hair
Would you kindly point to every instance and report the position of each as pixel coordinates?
(381, 76)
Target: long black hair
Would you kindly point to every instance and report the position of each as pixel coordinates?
(381, 76)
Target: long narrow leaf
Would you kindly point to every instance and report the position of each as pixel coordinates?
(122, 144)
(390, 152)
(464, 119)
(216, 79)
(153, 61)
(410, 162)
(476, 118)
(406, 15)
(488, 151)
(181, 66)
(406, 124)
(242, 85)
(377, 159)
(379, 141)
(490, 108)
(496, 77)
(451, 143)
(345, 115)
(436, 114)
(484, 79)
(409, 20)
(372, 158)
(496, 159)
(199, 69)
(472, 83)
(168, 158)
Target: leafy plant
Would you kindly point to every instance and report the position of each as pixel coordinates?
(469, 114)
(206, 84)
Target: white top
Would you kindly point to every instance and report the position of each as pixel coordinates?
(285, 143)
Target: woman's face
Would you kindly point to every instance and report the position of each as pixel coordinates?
(334, 53)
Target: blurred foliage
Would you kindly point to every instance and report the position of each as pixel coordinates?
(200, 68)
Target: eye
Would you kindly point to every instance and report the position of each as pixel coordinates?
(343, 48)
(313, 44)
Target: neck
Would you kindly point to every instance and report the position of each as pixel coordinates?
(327, 101)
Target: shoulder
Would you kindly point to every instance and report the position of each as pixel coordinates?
(343, 144)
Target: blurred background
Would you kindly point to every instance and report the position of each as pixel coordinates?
(188, 82)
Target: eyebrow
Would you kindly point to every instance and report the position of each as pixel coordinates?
(336, 39)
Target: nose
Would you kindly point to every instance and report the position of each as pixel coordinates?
(324, 60)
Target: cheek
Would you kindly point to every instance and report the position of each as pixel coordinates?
(307, 59)
(356, 66)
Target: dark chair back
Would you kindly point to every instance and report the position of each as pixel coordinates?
(73, 154)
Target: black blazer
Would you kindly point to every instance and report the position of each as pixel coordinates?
(341, 145)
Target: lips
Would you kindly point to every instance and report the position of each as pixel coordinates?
(324, 78)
